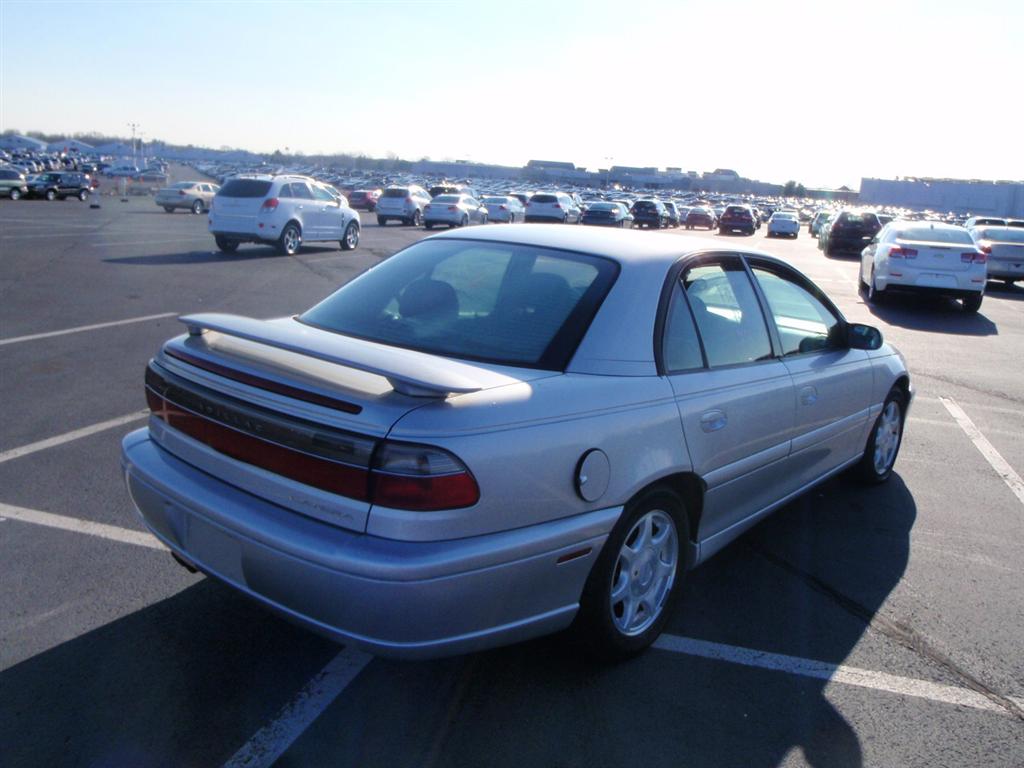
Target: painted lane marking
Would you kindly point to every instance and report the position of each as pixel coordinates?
(67, 437)
(271, 741)
(87, 527)
(81, 328)
(837, 673)
(992, 456)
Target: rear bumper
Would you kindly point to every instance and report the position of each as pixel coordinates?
(392, 598)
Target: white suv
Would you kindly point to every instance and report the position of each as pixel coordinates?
(403, 203)
(285, 211)
(555, 207)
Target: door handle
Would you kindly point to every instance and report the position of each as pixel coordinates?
(808, 395)
(712, 421)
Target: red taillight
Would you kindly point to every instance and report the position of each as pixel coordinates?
(181, 193)
(975, 257)
(270, 204)
(556, 205)
(898, 252)
(502, 207)
(985, 248)
(421, 478)
(453, 208)
(408, 199)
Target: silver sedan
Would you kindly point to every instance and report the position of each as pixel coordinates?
(194, 196)
(493, 436)
(454, 211)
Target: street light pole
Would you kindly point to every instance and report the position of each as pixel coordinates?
(133, 126)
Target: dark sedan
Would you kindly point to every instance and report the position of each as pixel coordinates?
(737, 218)
(701, 217)
(849, 232)
(650, 213)
(608, 215)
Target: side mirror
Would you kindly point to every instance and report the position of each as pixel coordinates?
(860, 336)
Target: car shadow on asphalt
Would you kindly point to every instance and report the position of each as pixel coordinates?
(1014, 292)
(935, 314)
(187, 680)
(214, 257)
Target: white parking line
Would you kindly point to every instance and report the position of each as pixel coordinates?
(992, 456)
(182, 239)
(80, 328)
(271, 741)
(73, 524)
(67, 437)
(837, 673)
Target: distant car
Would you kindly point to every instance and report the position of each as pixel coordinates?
(783, 223)
(404, 204)
(701, 216)
(674, 218)
(12, 183)
(649, 214)
(153, 174)
(60, 185)
(1015, 223)
(364, 199)
(605, 214)
(119, 171)
(848, 232)
(504, 208)
(522, 197)
(454, 211)
(285, 211)
(737, 218)
(816, 221)
(985, 221)
(553, 207)
(194, 196)
(493, 435)
(1004, 247)
(445, 189)
(924, 257)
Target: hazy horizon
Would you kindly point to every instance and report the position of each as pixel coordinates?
(823, 95)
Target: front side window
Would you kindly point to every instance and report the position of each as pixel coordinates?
(728, 315)
(804, 323)
(496, 302)
(322, 194)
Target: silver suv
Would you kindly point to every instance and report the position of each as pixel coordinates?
(285, 211)
(403, 203)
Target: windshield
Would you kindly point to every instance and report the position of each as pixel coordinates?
(495, 302)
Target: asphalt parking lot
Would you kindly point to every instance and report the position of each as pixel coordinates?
(876, 627)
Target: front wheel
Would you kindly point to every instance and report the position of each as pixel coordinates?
(168, 209)
(512, 220)
(884, 443)
(197, 207)
(633, 585)
(381, 221)
(464, 222)
(51, 195)
(972, 303)
(225, 245)
(875, 296)
(351, 238)
(83, 195)
(15, 194)
(417, 218)
(290, 240)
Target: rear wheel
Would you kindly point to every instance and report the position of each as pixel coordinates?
(417, 219)
(290, 240)
(15, 194)
(168, 209)
(875, 296)
(381, 221)
(197, 207)
(351, 238)
(465, 221)
(83, 195)
(511, 218)
(428, 225)
(972, 303)
(884, 443)
(226, 245)
(635, 580)
(51, 195)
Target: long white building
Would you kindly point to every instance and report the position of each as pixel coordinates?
(997, 198)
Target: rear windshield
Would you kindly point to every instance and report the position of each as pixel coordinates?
(604, 207)
(1004, 234)
(781, 215)
(544, 199)
(929, 235)
(447, 199)
(857, 219)
(500, 303)
(496, 200)
(645, 204)
(396, 192)
(244, 188)
(734, 209)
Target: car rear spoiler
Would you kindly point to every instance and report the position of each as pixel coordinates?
(409, 372)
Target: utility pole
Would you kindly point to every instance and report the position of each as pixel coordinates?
(133, 126)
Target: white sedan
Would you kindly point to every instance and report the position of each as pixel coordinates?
(1004, 247)
(505, 209)
(454, 211)
(783, 223)
(924, 257)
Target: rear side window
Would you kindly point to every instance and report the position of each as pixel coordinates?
(244, 188)
(727, 312)
(681, 346)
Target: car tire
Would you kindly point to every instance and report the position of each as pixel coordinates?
(197, 207)
(417, 219)
(465, 221)
(511, 218)
(168, 209)
(50, 195)
(15, 194)
(652, 532)
(428, 225)
(484, 220)
(225, 245)
(884, 440)
(875, 296)
(351, 237)
(972, 303)
(83, 195)
(290, 241)
(381, 221)
(721, 231)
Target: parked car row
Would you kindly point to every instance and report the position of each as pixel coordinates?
(51, 185)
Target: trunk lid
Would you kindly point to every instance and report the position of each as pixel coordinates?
(938, 257)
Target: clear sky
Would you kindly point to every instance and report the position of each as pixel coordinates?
(819, 92)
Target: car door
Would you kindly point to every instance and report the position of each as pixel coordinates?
(329, 214)
(305, 209)
(735, 397)
(833, 383)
